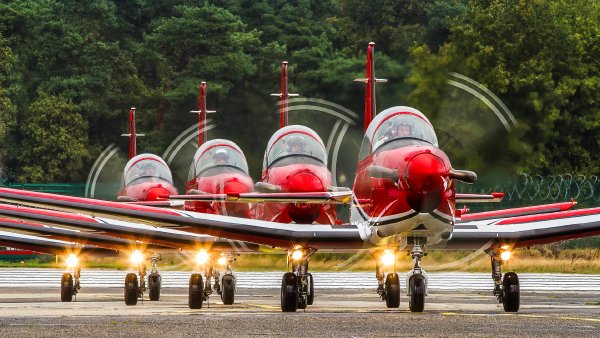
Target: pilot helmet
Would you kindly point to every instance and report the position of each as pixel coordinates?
(296, 140)
(221, 155)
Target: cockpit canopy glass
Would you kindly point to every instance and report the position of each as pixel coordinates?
(294, 145)
(219, 156)
(146, 167)
(404, 124)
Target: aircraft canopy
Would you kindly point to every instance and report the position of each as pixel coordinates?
(295, 144)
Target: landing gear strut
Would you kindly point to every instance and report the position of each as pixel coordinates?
(506, 288)
(154, 279)
(135, 285)
(416, 279)
(388, 286)
(224, 284)
(297, 286)
(69, 285)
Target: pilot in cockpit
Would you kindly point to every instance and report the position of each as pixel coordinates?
(404, 129)
(147, 169)
(296, 144)
(221, 157)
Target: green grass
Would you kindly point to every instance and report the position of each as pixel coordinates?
(543, 259)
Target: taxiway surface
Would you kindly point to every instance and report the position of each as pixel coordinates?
(336, 313)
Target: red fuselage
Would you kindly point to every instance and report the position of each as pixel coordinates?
(225, 183)
(297, 178)
(423, 184)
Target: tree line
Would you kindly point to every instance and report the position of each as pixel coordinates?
(70, 71)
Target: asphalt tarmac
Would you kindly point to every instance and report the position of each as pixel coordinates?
(38, 312)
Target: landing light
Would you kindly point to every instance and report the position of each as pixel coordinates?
(388, 258)
(202, 257)
(297, 255)
(222, 260)
(72, 261)
(137, 257)
(505, 255)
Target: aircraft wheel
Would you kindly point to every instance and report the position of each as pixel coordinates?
(196, 295)
(511, 292)
(311, 289)
(66, 287)
(131, 289)
(289, 292)
(154, 281)
(392, 290)
(417, 293)
(228, 289)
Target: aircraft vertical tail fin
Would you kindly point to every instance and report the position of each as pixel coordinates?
(202, 130)
(133, 135)
(370, 80)
(284, 96)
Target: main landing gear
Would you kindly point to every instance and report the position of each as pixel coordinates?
(297, 286)
(416, 280)
(135, 287)
(506, 288)
(224, 284)
(69, 284)
(388, 286)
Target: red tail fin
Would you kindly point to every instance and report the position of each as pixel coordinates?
(283, 114)
(370, 80)
(284, 96)
(202, 132)
(202, 112)
(132, 134)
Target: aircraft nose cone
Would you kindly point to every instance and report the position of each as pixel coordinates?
(157, 193)
(425, 175)
(235, 187)
(305, 182)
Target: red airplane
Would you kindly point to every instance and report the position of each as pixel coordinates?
(404, 200)
(295, 161)
(146, 177)
(219, 167)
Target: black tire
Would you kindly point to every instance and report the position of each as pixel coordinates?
(392, 290)
(66, 287)
(154, 281)
(131, 289)
(311, 289)
(511, 292)
(417, 293)
(289, 292)
(228, 289)
(196, 295)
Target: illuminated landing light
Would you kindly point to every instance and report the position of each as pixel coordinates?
(388, 258)
(505, 255)
(72, 261)
(222, 260)
(297, 255)
(137, 257)
(202, 257)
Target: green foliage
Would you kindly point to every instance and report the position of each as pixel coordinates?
(55, 141)
(102, 57)
(542, 58)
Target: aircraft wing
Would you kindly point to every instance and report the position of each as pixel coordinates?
(514, 212)
(478, 198)
(524, 231)
(152, 238)
(319, 236)
(50, 246)
(331, 197)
